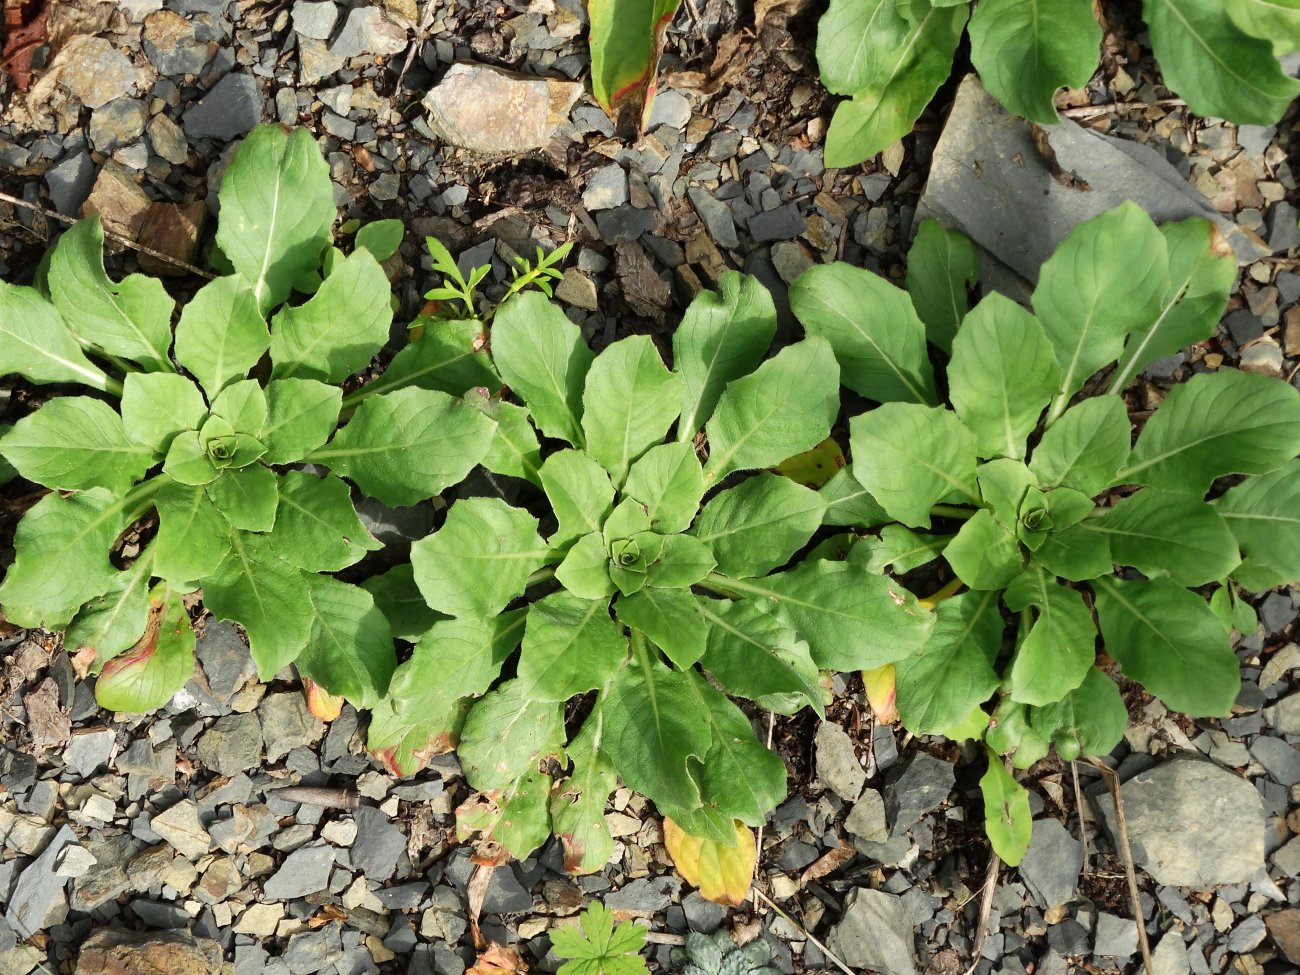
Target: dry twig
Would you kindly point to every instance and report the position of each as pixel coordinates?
(1083, 822)
(1092, 111)
(425, 21)
(986, 908)
(1112, 780)
(807, 934)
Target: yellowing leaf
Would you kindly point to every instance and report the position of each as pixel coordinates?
(320, 702)
(722, 873)
(813, 468)
(879, 682)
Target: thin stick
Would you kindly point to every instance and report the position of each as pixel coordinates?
(425, 22)
(1091, 111)
(1112, 779)
(111, 235)
(313, 796)
(807, 934)
(658, 938)
(986, 909)
(1083, 823)
(758, 848)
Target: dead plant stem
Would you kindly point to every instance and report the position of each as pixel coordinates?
(1126, 854)
(807, 934)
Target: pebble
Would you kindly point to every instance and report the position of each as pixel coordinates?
(606, 189)
(1116, 937)
(172, 46)
(225, 658)
(94, 71)
(716, 216)
(232, 745)
(838, 768)
(180, 826)
(88, 750)
(304, 871)
(315, 20)
(229, 110)
(922, 785)
(1051, 865)
(1280, 760)
(70, 181)
(875, 933)
(669, 108)
(167, 139)
(368, 31)
(488, 109)
(118, 123)
(577, 289)
(783, 223)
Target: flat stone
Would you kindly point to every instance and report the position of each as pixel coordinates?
(1286, 858)
(73, 862)
(180, 826)
(260, 920)
(108, 877)
(219, 881)
(867, 821)
(378, 846)
(875, 933)
(669, 108)
(1284, 716)
(1170, 955)
(167, 139)
(368, 31)
(115, 951)
(838, 768)
(304, 871)
(174, 230)
(1263, 357)
(646, 895)
(1277, 612)
(70, 181)
(316, 61)
(606, 189)
(313, 951)
(1284, 928)
(38, 900)
(232, 745)
(172, 45)
(923, 784)
(118, 123)
(624, 223)
(225, 658)
(1247, 935)
(89, 750)
(701, 914)
(1116, 937)
(716, 217)
(1280, 760)
(1051, 865)
(488, 109)
(315, 20)
(1192, 823)
(1284, 227)
(287, 723)
(229, 110)
(119, 201)
(577, 289)
(783, 223)
(94, 71)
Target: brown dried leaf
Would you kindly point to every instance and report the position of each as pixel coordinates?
(47, 723)
(498, 960)
(24, 33)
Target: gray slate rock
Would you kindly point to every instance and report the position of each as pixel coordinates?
(287, 723)
(378, 846)
(229, 110)
(118, 123)
(232, 745)
(867, 821)
(167, 139)
(304, 871)
(1192, 823)
(624, 223)
(225, 658)
(716, 216)
(648, 894)
(669, 108)
(368, 31)
(315, 20)
(875, 933)
(838, 767)
(70, 181)
(783, 223)
(172, 45)
(923, 784)
(1280, 760)
(606, 189)
(1116, 937)
(88, 750)
(1247, 935)
(1284, 716)
(1051, 865)
(38, 899)
(313, 951)
(1170, 955)
(108, 877)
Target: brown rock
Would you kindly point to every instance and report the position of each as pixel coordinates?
(490, 110)
(94, 71)
(119, 201)
(115, 952)
(219, 881)
(1284, 926)
(174, 230)
(643, 289)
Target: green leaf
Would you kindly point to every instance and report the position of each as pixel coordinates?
(399, 599)
(902, 64)
(277, 207)
(878, 339)
(158, 666)
(514, 450)
(317, 524)
(193, 536)
(480, 559)
(1085, 447)
(1202, 273)
(656, 732)
(756, 655)
(1056, 652)
(782, 408)
(339, 329)
(578, 802)
(670, 618)
(1161, 533)
(381, 237)
(1007, 818)
(985, 555)
(1009, 731)
(585, 570)
(61, 557)
(849, 503)
(1025, 50)
(247, 498)
(221, 334)
(265, 595)
(1088, 721)
(37, 344)
(852, 619)
(1263, 514)
(74, 443)
(941, 266)
(570, 645)
(1002, 375)
(601, 949)
(1219, 70)
(131, 319)
(1168, 640)
(740, 779)
(579, 492)
(724, 335)
(409, 445)
(1004, 485)
(301, 415)
(542, 357)
(629, 403)
(243, 405)
(669, 482)
(953, 673)
(447, 356)
(1214, 424)
(506, 733)
(759, 524)
(682, 562)
(1077, 554)
(187, 461)
(1106, 280)
(350, 649)
(909, 457)
(114, 621)
(1277, 21)
(158, 405)
(903, 549)
(626, 38)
